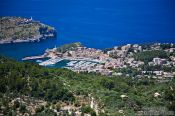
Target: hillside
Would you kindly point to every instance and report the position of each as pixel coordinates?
(68, 47)
(27, 88)
(17, 29)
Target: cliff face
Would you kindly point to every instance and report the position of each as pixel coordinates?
(17, 29)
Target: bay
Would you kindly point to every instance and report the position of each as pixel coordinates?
(95, 23)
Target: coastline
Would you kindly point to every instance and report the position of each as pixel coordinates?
(35, 39)
(83, 59)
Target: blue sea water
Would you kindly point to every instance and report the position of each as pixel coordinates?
(94, 23)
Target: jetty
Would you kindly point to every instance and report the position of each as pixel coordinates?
(34, 57)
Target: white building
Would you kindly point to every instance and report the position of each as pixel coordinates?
(159, 61)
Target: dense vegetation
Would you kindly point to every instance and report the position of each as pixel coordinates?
(68, 47)
(63, 85)
(32, 80)
(13, 28)
(167, 46)
(148, 56)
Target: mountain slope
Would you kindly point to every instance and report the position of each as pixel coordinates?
(61, 89)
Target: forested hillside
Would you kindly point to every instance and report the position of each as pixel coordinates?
(23, 84)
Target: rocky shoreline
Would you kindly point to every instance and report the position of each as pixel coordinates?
(35, 39)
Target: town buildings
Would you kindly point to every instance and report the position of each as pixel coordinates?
(83, 59)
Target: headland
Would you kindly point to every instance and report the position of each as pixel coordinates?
(17, 29)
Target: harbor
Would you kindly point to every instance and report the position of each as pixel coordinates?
(80, 65)
(50, 62)
(74, 64)
(76, 58)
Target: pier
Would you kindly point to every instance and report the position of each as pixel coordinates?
(50, 62)
(34, 57)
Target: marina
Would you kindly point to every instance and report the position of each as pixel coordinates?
(50, 62)
(74, 64)
(81, 59)
(81, 65)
